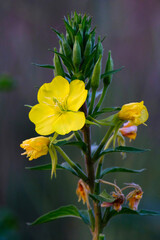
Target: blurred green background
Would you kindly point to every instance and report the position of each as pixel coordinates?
(132, 30)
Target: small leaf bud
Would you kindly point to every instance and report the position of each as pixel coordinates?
(109, 67)
(96, 74)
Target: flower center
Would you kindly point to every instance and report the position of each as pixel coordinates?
(62, 105)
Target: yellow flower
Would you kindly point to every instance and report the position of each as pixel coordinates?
(82, 192)
(129, 130)
(134, 198)
(136, 113)
(35, 147)
(58, 107)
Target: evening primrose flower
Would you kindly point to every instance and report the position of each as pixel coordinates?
(82, 192)
(35, 147)
(134, 112)
(57, 110)
(134, 197)
(129, 130)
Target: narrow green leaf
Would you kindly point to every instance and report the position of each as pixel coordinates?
(126, 210)
(106, 110)
(26, 105)
(111, 72)
(120, 169)
(58, 34)
(92, 123)
(79, 144)
(62, 212)
(43, 65)
(64, 166)
(124, 149)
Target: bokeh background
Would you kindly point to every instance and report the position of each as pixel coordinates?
(132, 30)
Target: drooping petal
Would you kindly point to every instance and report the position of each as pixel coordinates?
(44, 118)
(77, 95)
(69, 121)
(57, 89)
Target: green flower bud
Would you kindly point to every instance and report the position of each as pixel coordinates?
(99, 49)
(67, 49)
(76, 54)
(58, 71)
(96, 75)
(109, 67)
(88, 47)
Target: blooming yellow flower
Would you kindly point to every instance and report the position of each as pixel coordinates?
(134, 198)
(129, 130)
(58, 107)
(136, 113)
(82, 192)
(35, 147)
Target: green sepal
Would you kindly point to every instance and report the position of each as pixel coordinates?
(92, 123)
(95, 79)
(44, 65)
(54, 160)
(99, 50)
(123, 149)
(62, 212)
(102, 197)
(76, 54)
(119, 169)
(111, 72)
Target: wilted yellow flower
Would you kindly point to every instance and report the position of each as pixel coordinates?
(134, 198)
(136, 113)
(82, 192)
(35, 147)
(58, 107)
(117, 203)
(129, 130)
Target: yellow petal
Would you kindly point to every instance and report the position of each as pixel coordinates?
(77, 95)
(44, 118)
(58, 89)
(69, 121)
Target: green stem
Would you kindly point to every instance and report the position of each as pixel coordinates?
(102, 143)
(101, 98)
(92, 101)
(71, 163)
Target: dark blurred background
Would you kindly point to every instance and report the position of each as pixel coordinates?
(132, 30)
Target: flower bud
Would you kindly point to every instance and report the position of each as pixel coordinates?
(96, 75)
(35, 147)
(58, 71)
(99, 50)
(76, 53)
(66, 47)
(88, 47)
(134, 112)
(109, 67)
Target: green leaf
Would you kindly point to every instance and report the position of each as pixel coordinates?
(79, 144)
(92, 123)
(120, 169)
(62, 212)
(102, 197)
(111, 72)
(106, 110)
(64, 166)
(124, 149)
(126, 210)
(58, 34)
(44, 65)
